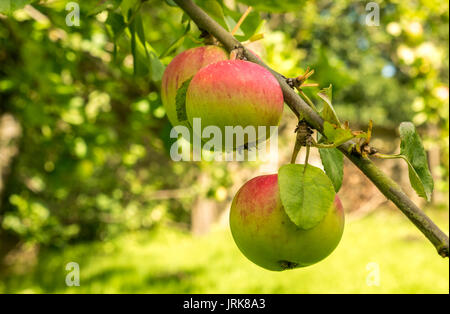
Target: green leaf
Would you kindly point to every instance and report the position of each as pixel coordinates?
(9, 6)
(156, 67)
(115, 25)
(336, 135)
(145, 58)
(141, 32)
(132, 30)
(412, 148)
(177, 43)
(107, 5)
(214, 10)
(180, 101)
(307, 196)
(127, 8)
(275, 5)
(251, 25)
(231, 23)
(333, 163)
(328, 113)
(185, 18)
(171, 3)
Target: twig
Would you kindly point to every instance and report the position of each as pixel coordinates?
(386, 185)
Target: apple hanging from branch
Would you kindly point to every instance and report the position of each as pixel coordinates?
(267, 236)
(182, 68)
(235, 93)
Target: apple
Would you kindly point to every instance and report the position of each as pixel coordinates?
(184, 66)
(235, 93)
(267, 237)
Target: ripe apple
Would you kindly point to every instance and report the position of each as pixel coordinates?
(183, 67)
(234, 93)
(265, 234)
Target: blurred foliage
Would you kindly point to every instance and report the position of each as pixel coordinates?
(170, 261)
(93, 150)
(95, 139)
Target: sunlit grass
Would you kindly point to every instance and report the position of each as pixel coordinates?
(169, 261)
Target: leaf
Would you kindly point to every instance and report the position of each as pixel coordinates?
(115, 24)
(412, 148)
(156, 67)
(275, 5)
(171, 3)
(107, 5)
(328, 113)
(140, 32)
(231, 23)
(251, 25)
(145, 58)
(336, 135)
(9, 6)
(177, 43)
(185, 17)
(333, 163)
(180, 100)
(306, 196)
(132, 30)
(127, 7)
(214, 10)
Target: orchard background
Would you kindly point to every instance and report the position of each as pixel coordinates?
(85, 171)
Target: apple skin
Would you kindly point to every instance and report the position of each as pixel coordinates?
(267, 237)
(234, 93)
(183, 67)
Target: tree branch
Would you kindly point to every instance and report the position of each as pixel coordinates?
(386, 185)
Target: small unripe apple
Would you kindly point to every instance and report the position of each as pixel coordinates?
(266, 236)
(184, 66)
(234, 93)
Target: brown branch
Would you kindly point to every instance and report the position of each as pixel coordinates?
(386, 185)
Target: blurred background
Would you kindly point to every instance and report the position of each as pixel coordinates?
(85, 170)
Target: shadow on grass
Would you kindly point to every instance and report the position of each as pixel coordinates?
(100, 272)
(128, 280)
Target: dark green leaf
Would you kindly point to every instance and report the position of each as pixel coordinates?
(171, 3)
(180, 100)
(412, 148)
(143, 58)
(132, 29)
(333, 163)
(306, 196)
(184, 18)
(115, 24)
(140, 32)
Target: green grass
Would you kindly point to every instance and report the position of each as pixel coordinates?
(169, 261)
